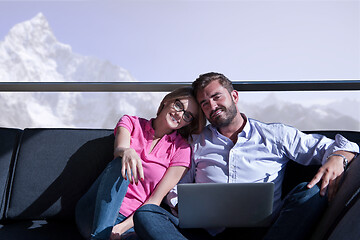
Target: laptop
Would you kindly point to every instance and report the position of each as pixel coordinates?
(207, 205)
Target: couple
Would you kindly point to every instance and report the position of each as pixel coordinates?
(231, 149)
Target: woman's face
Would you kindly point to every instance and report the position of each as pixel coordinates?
(180, 112)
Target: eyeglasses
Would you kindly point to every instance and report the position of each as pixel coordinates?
(179, 107)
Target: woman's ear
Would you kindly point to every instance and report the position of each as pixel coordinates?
(161, 107)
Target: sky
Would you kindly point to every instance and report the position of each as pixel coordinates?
(178, 40)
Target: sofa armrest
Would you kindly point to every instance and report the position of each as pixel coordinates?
(9, 139)
(347, 196)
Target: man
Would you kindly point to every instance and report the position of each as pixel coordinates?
(234, 148)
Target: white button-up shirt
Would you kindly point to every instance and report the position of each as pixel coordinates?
(259, 155)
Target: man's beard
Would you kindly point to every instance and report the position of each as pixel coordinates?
(230, 114)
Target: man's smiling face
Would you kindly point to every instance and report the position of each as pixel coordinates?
(218, 105)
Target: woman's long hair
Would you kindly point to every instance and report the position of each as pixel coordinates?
(199, 121)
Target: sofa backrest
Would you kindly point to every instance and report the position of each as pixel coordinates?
(51, 169)
(8, 144)
(54, 168)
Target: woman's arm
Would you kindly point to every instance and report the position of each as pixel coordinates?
(131, 162)
(122, 141)
(169, 180)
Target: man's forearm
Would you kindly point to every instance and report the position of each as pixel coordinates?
(344, 156)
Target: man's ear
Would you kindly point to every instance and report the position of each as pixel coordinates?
(235, 96)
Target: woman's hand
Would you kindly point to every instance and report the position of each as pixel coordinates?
(131, 166)
(117, 231)
(131, 162)
(121, 228)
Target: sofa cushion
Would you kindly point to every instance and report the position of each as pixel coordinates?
(54, 168)
(348, 226)
(40, 229)
(9, 139)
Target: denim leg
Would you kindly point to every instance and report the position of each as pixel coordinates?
(84, 211)
(154, 222)
(98, 209)
(300, 213)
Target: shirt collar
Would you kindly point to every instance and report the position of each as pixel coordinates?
(246, 130)
(149, 128)
(244, 133)
(172, 136)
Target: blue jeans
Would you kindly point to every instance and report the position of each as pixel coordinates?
(98, 210)
(301, 210)
(299, 215)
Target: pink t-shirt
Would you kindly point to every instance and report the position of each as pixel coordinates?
(171, 150)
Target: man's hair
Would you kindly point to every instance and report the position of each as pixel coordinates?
(205, 79)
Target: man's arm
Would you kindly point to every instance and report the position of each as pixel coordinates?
(330, 174)
(308, 149)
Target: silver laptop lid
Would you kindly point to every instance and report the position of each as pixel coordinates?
(205, 205)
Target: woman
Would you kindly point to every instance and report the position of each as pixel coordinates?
(151, 156)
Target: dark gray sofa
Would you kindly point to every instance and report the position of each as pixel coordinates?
(43, 173)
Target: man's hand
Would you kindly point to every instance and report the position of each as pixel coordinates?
(132, 166)
(330, 174)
